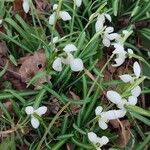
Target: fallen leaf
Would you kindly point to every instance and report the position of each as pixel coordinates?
(42, 5)
(73, 107)
(18, 8)
(54, 105)
(124, 133)
(31, 65)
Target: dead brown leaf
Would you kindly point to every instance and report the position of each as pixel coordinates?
(17, 7)
(123, 132)
(8, 106)
(42, 5)
(54, 105)
(73, 107)
(31, 65)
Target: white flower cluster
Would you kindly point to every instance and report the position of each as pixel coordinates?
(66, 57)
(105, 116)
(76, 64)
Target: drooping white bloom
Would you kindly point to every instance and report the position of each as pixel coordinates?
(101, 20)
(26, 6)
(31, 111)
(116, 98)
(108, 36)
(61, 15)
(104, 117)
(76, 64)
(78, 2)
(120, 53)
(129, 78)
(97, 141)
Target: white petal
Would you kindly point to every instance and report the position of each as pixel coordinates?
(112, 36)
(29, 110)
(109, 29)
(132, 100)
(78, 2)
(113, 114)
(26, 6)
(98, 110)
(65, 15)
(98, 26)
(77, 65)
(104, 140)
(137, 69)
(118, 48)
(99, 23)
(52, 19)
(70, 48)
(35, 122)
(108, 17)
(114, 97)
(41, 110)
(103, 125)
(55, 6)
(92, 137)
(57, 64)
(106, 42)
(136, 91)
(126, 78)
(119, 61)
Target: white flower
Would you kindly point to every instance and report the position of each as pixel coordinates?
(116, 98)
(129, 78)
(101, 20)
(97, 141)
(121, 54)
(62, 14)
(104, 117)
(26, 6)
(76, 64)
(78, 2)
(31, 111)
(108, 36)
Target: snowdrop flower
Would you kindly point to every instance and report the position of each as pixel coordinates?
(31, 111)
(76, 64)
(104, 117)
(121, 54)
(108, 36)
(101, 20)
(78, 2)
(116, 98)
(97, 141)
(129, 78)
(26, 6)
(62, 14)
